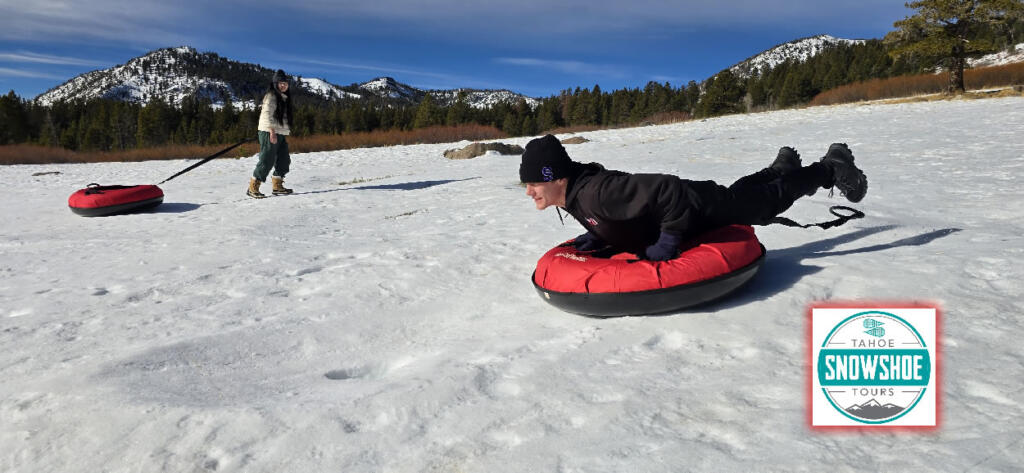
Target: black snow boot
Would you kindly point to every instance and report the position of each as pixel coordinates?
(850, 180)
(787, 161)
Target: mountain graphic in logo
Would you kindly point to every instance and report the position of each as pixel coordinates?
(874, 410)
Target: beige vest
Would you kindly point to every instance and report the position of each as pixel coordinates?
(267, 121)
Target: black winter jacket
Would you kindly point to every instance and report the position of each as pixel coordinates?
(629, 211)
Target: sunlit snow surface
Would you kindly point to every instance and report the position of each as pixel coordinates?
(390, 324)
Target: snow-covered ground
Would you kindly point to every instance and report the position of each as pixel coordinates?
(390, 324)
(1001, 58)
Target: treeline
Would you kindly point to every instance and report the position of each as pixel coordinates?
(113, 125)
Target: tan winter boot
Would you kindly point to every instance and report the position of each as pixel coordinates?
(279, 188)
(254, 188)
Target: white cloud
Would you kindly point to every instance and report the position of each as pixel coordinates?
(566, 67)
(8, 72)
(437, 80)
(169, 23)
(370, 67)
(23, 56)
(113, 20)
(546, 18)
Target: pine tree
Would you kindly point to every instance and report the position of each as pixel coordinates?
(723, 95)
(13, 120)
(459, 112)
(548, 115)
(427, 113)
(946, 30)
(153, 129)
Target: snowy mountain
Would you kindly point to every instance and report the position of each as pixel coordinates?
(325, 89)
(172, 74)
(800, 50)
(482, 98)
(387, 87)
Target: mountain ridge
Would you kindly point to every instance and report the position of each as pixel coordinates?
(172, 74)
(800, 49)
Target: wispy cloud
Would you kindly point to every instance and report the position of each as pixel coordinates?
(372, 67)
(566, 67)
(429, 79)
(543, 17)
(23, 56)
(145, 21)
(8, 72)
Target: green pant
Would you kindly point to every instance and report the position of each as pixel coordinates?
(272, 156)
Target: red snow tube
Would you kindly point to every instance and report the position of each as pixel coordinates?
(710, 266)
(96, 200)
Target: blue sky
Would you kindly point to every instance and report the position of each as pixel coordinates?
(534, 47)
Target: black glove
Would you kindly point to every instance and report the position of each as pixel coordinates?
(665, 249)
(588, 242)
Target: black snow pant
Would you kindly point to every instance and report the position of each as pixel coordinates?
(757, 198)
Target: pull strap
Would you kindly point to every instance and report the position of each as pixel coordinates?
(853, 214)
(94, 188)
(207, 159)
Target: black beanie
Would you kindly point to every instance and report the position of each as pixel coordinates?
(280, 76)
(544, 160)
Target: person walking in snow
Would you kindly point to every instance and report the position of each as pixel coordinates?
(272, 132)
(651, 215)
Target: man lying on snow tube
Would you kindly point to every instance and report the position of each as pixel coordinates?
(652, 215)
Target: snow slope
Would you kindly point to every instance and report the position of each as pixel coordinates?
(1001, 58)
(798, 50)
(390, 324)
(326, 89)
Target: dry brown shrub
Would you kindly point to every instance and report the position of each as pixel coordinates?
(996, 76)
(371, 139)
(665, 118)
(906, 86)
(568, 130)
(34, 154)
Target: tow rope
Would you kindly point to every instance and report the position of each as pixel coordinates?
(208, 159)
(854, 214)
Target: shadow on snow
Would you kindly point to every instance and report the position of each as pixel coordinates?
(410, 186)
(784, 268)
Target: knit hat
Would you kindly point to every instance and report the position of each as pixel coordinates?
(544, 160)
(280, 76)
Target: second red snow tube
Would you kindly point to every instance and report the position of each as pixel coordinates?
(96, 200)
(711, 266)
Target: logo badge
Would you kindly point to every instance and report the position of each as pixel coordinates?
(592, 221)
(874, 367)
(548, 174)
